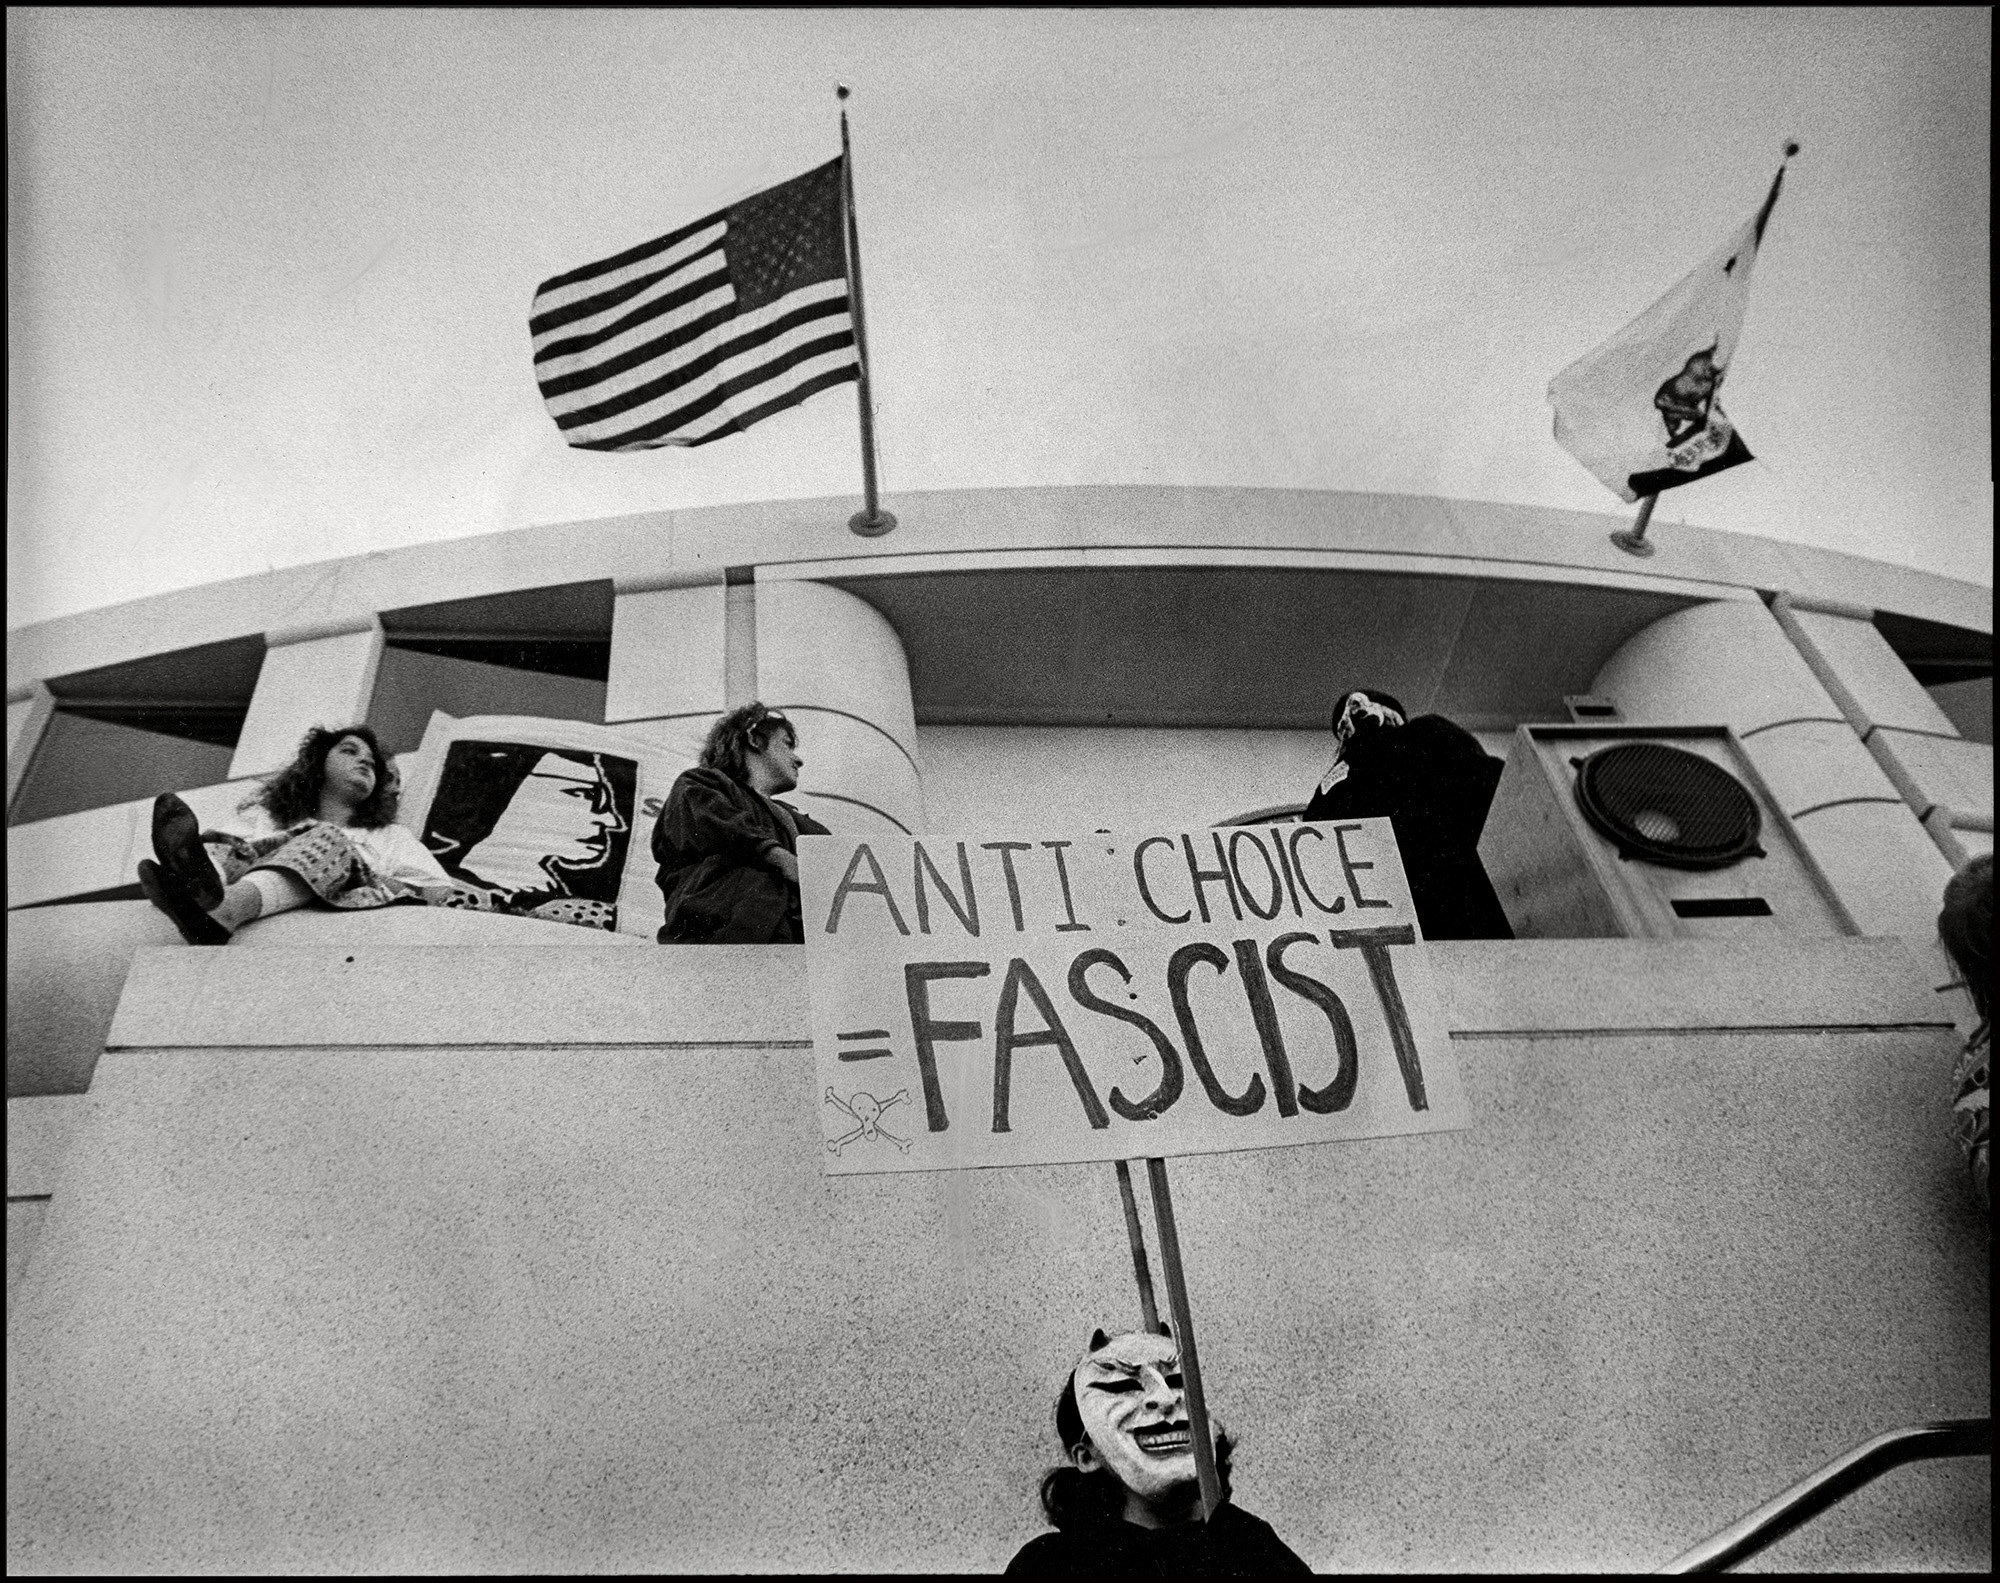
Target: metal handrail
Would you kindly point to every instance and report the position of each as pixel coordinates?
(1813, 1494)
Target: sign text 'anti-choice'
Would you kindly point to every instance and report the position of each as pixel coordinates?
(985, 1003)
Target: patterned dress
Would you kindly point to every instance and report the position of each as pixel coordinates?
(336, 866)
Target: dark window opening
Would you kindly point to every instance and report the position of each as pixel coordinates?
(122, 733)
(586, 659)
(219, 725)
(1934, 652)
(1722, 907)
(543, 652)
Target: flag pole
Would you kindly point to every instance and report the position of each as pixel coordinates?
(1632, 540)
(871, 521)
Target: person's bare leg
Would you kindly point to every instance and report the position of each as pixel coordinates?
(258, 896)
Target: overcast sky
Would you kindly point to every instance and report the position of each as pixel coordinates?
(268, 272)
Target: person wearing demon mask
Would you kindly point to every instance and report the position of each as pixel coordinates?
(1127, 1502)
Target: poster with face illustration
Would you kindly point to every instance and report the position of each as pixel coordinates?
(1118, 995)
(552, 818)
(533, 824)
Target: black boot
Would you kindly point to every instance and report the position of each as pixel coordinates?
(177, 846)
(167, 894)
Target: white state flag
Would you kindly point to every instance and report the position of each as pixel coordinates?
(1641, 411)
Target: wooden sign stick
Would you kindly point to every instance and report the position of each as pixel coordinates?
(1149, 1310)
(1170, 1261)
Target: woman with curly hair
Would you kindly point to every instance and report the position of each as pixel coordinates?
(329, 832)
(1127, 1501)
(727, 848)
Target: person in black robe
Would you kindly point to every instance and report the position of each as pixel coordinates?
(1127, 1502)
(1434, 782)
(727, 848)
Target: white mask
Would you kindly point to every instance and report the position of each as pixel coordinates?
(1134, 1410)
(1361, 710)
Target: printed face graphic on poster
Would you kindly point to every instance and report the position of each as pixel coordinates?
(533, 823)
(1115, 996)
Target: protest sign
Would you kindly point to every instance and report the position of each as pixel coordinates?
(1117, 996)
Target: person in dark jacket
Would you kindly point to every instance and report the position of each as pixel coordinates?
(1434, 782)
(1127, 1502)
(727, 848)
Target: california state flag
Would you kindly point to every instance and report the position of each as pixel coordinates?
(1641, 410)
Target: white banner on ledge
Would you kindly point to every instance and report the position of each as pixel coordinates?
(539, 810)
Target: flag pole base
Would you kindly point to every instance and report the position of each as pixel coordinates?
(1628, 541)
(872, 525)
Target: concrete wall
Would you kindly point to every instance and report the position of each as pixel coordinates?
(1732, 664)
(837, 668)
(39, 1133)
(1946, 781)
(450, 1297)
(667, 654)
(318, 675)
(81, 854)
(1024, 780)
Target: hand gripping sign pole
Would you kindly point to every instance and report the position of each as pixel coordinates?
(1149, 1312)
(1170, 1260)
(1170, 1253)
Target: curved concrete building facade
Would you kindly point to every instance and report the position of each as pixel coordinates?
(450, 1239)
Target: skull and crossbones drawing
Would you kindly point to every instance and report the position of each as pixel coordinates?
(866, 1110)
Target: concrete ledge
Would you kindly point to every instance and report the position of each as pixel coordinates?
(66, 967)
(1564, 986)
(99, 848)
(1945, 770)
(417, 996)
(407, 996)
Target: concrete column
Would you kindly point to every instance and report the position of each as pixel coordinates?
(1730, 663)
(1947, 781)
(321, 675)
(667, 652)
(1855, 664)
(29, 710)
(836, 666)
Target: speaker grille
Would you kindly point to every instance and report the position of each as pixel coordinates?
(1668, 806)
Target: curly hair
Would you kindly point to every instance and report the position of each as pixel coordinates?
(1965, 925)
(738, 734)
(1076, 1499)
(292, 794)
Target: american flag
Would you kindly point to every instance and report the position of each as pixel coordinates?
(705, 330)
